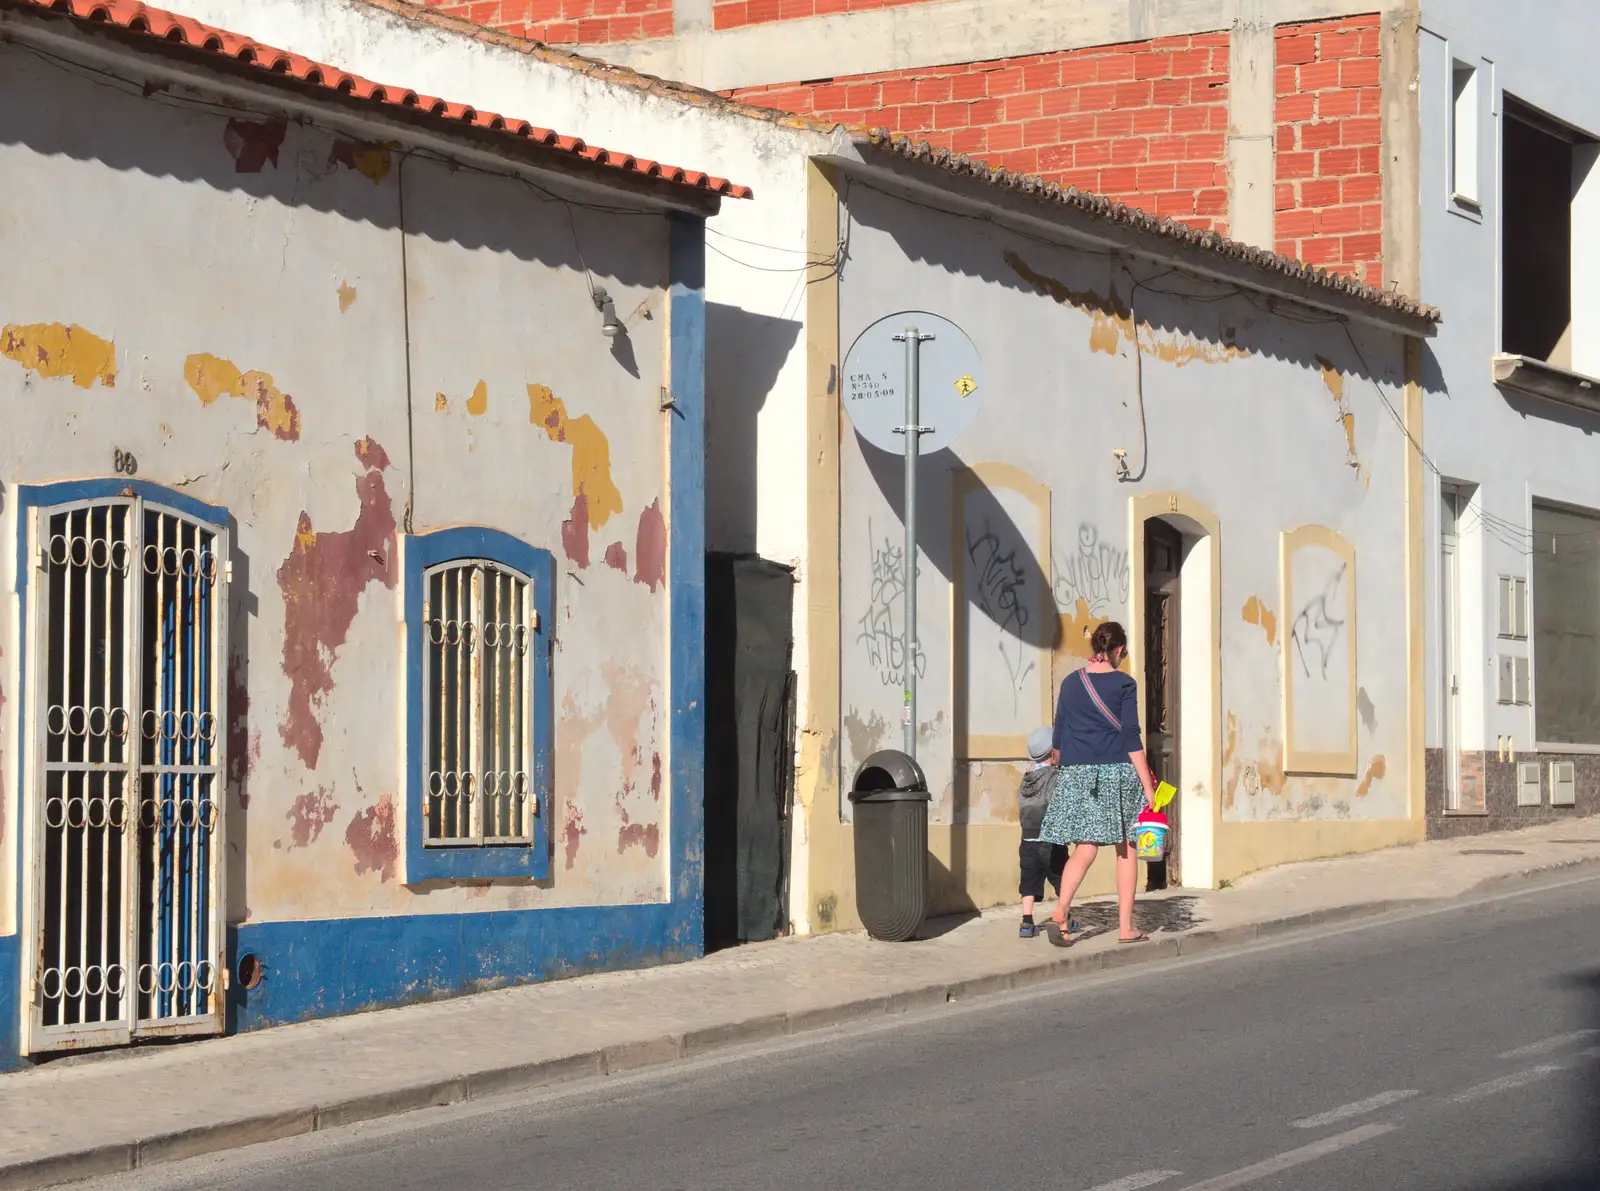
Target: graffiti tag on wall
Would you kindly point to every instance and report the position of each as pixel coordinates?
(1318, 627)
(881, 626)
(1096, 573)
(999, 589)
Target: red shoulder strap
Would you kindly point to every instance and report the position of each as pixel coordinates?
(1098, 701)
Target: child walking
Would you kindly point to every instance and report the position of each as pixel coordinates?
(1038, 858)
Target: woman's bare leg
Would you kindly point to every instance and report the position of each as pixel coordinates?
(1127, 881)
(1071, 877)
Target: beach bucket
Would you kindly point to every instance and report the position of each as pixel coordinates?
(1150, 835)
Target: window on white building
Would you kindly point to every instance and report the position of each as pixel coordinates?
(1544, 164)
(1464, 133)
(1566, 625)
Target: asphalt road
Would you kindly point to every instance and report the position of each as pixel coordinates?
(1455, 1051)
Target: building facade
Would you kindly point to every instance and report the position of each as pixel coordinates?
(355, 554)
(1509, 206)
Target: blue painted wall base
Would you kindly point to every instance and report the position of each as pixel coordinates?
(320, 969)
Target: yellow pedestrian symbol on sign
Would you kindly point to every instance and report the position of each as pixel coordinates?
(965, 385)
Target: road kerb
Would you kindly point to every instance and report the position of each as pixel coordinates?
(528, 1077)
(433, 1094)
(69, 1168)
(735, 1033)
(224, 1135)
(1533, 873)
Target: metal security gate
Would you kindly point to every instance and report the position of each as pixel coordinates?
(126, 794)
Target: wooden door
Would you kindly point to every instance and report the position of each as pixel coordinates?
(1163, 554)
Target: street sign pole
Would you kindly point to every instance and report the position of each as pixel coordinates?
(913, 431)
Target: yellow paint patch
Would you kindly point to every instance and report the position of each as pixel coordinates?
(478, 403)
(1377, 769)
(441, 403)
(1113, 324)
(1073, 640)
(55, 350)
(1257, 613)
(591, 452)
(1334, 380)
(347, 296)
(371, 161)
(1270, 767)
(212, 377)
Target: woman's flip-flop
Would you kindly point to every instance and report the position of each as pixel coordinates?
(1141, 937)
(1057, 933)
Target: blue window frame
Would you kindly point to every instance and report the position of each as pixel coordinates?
(479, 610)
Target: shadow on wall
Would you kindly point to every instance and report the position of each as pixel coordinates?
(266, 157)
(1579, 1168)
(1021, 569)
(1180, 320)
(744, 354)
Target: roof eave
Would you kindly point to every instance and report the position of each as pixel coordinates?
(357, 116)
(942, 187)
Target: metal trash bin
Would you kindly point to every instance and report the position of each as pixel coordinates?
(890, 798)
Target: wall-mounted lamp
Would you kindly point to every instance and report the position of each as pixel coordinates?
(1121, 457)
(610, 325)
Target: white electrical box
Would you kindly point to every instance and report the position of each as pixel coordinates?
(1521, 682)
(1505, 679)
(1529, 791)
(1563, 784)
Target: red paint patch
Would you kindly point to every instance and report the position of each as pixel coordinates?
(322, 581)
(655, 776)
(635, 835)
(650, 550)
(252, 144)
(308, 815)
(617, 557)
(573, 832)
(371, 839)
(575, 532)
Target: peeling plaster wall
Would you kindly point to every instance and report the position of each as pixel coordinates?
(251, 278)
(756, 482)
(1266, 422)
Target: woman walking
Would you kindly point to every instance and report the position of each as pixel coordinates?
(1104, 780)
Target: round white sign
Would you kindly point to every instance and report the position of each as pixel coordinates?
(950, 373)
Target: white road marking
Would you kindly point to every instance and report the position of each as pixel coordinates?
(1358, 1109)
(1136, 1182)
(1289, 1159)
(1549, 1046)
(1505, 1083)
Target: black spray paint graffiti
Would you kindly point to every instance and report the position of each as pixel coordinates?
(1318, 627)
(885, 614)
(1096, 573)
(999, 585)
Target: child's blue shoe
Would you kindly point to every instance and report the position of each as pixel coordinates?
(1027, 931)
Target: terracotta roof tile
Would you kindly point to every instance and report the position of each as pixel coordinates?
(170, 27)
(1119, 213)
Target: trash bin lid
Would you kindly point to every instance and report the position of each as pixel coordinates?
(889, 776)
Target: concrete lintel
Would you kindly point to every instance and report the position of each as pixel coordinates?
(940, 188)
(909, 36)
(1523, 374)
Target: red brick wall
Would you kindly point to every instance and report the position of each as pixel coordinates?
(731, 14)
(1329, 160)
(1145, 122)
(567, 22)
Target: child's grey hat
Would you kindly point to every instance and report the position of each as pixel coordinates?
(1039, 744)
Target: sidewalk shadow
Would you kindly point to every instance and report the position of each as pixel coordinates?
(1168, 915)
(933, 928)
